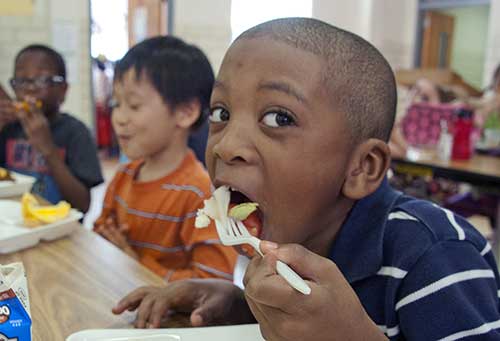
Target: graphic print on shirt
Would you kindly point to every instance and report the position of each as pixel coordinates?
(25, 159)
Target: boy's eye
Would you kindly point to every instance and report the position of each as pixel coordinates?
(278, 119)
(219, 115)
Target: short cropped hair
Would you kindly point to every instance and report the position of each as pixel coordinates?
(358, 78)
(178, 71)
(55, 57)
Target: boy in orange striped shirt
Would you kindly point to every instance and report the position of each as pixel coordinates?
(162, 91)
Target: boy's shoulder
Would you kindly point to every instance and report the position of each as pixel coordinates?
(414, 227)
(191, 177)
(69, 128)
(189, 182)
(389, 230)
(129, 168)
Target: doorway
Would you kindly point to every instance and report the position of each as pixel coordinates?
(451, 35)
(437, 40)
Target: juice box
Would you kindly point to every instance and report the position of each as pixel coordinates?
(15, 319)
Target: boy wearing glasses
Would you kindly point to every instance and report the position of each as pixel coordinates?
(38, 140)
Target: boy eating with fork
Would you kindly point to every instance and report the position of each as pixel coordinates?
(300, 119)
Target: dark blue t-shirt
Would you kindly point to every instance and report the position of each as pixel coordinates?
(75, 145)
(421, 272)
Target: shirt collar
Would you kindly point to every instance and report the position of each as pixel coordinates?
(358, 248)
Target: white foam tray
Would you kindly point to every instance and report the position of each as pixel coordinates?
(14, 236)
(248, 332)
(20, 185)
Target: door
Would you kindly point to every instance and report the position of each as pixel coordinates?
(437, 40)
(146, 18)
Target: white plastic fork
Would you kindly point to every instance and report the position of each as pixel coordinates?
(236, 233)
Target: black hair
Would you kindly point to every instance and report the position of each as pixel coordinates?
(54, 56)
(180, 72)
(358, 78)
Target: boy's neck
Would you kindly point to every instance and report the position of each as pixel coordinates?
(322, 242)
(163, 162)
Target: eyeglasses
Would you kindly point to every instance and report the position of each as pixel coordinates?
(39, 82)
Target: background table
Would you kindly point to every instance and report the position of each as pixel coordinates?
(75, 281)
(480, 170)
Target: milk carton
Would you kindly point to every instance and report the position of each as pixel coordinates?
(15, 320)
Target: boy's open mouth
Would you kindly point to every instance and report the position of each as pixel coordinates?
(254, 221)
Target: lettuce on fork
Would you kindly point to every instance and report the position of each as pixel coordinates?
(214, 208)
(242, 211)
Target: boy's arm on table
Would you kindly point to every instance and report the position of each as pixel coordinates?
(83, 165)
(209, 302)
(451, 291)
(107, 225)
(331, 312)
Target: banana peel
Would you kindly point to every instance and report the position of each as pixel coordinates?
(36, 214)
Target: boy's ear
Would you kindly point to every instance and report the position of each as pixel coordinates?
(187, 113)
(367, 169)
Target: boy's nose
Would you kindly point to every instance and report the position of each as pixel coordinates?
(234, 146)
(118, 117)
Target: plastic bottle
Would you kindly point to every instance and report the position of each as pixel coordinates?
(445, 142)
(462, 132)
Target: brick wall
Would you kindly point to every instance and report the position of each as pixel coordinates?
(65, 25)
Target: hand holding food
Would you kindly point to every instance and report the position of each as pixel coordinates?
(332, 311)
(36, 126)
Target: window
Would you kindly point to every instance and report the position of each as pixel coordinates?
(109, 28)
(245, 14)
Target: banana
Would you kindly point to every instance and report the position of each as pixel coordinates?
(35, 214)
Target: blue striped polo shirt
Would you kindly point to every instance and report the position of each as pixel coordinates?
(421, 272)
